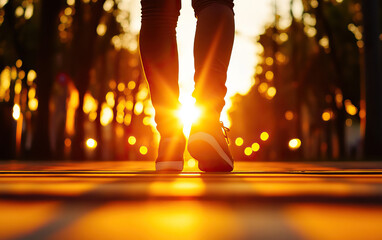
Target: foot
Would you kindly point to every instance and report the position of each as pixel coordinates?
(170, 154)
(208, 143)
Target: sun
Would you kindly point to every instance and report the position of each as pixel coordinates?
(188, 113)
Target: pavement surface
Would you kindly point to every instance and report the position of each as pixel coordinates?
(128, 200)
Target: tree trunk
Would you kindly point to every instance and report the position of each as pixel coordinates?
(341, 114)
(86, 22)
(45, 77)
(373, 134)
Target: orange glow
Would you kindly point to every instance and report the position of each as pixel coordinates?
(350, 108)
(68, 11)
(19, 63)
(110, 99)
(91, 143)
(143, 150)
(19, 131)
(101, 29)
(33, 104)
(16, 112)
(127, 119)
(269, 61)
(31, 93)
(294, 143)
(71, 111)
(68, 142)
(289, 115)
(147, 121)
(121, 105)
(248, 151)
(283, 37)
(5, 81)
(106, 115)
(108, 5)
(362, 113)
(35, 215)
(129, 105)
(92, 116)
(21, 74)
(120, 117)
(280, 57)
(143, 93)
(348, 122)
(119, 131)
(326, 116)
(269, 75)
(131, 140)
(112, 84)
(239, 141)
(31, 76)
(131, 85)
(90, 104)
(339, 98)
(138, 109)
(308, 216)
(149, 109)
(360, 44)
(255, 147)
(14, 73)
(271, 92)
(18, 86)
(263, 87)
(324, 42)
(259, 69)
(121, 87)
(264, 136)
(180, 187)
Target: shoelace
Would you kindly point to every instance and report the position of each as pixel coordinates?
(225, 132)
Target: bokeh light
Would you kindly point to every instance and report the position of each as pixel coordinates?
(131, 140)
(143, 150)
(255, 147)
(16, 111)
(239, 141)
(248, 151)
(264, 136)
(294, 144)
(91, 143)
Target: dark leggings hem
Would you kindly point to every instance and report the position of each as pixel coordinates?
(201, 4)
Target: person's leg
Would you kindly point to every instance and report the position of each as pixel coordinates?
(212, 51)
(159, 55)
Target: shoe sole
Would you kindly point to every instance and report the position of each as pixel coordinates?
(171, 166)
(211, 156)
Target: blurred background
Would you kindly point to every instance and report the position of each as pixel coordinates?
(304, 81)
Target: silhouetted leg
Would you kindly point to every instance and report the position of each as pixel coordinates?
(212, 51)
(159, 56)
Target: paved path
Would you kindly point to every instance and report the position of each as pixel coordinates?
(128, 200)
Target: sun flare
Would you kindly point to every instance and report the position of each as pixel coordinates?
(188, 114)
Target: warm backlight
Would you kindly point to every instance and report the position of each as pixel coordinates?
(188, 114)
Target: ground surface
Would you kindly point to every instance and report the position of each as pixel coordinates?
(127, 200)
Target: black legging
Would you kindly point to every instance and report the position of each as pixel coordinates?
(212, 51)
